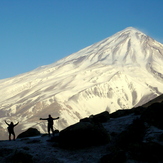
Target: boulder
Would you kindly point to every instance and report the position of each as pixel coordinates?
(120, 113)
(21, 157)
(153, 115)
(98, 118)
(134, 133)
(101, 117)
(29, 133)
(83, 134)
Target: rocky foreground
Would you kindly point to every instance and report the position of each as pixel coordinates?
(126, 136)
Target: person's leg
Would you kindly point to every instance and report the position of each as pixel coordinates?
(52, 130)
(49, 130)
(13, 136)
(9, 136)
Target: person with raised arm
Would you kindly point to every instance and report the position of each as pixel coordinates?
(11, 129)
(50, 123)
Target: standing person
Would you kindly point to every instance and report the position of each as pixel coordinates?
(50, 123)
(11, 129)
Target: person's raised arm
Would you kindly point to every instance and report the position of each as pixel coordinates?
(16, 124)
(6, 123)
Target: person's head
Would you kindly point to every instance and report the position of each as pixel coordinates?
(50, 116)
(11, 123)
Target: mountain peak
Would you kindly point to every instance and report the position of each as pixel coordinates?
(131, 30)
(114, 49)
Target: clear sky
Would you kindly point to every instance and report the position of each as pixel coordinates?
(34, 33)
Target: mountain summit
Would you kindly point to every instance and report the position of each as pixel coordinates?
(125, 47)
(108, 48)
(120, 72)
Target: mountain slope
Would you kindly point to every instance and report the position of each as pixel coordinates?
(119, 72)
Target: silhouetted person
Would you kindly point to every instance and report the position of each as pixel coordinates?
(50, 123)
(11, 129)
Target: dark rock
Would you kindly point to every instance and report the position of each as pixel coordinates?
(5, 152)
(134, 133)
(139, 110)
(161, 138)
(153, 115)
(120, 113)
(98, 118)
(115, 157)
(56, 132)
(86, 120)
(34, 141)
(102, 117)
(21, 157)
(83, 134)
(148, 152)
(29, 133)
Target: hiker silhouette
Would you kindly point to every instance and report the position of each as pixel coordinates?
(11, 129)
(50, 123)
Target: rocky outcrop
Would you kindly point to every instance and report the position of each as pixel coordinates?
(29, 133)
(83, 134)
(98, 118)
(153, 115)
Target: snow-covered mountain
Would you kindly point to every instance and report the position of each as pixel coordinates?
(119, 72)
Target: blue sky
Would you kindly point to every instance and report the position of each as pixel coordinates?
(34, 33)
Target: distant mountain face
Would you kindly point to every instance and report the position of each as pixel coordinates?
(119, 72)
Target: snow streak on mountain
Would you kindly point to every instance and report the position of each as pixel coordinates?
(119, 72)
